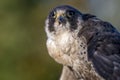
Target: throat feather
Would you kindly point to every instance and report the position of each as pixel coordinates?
(64, 38)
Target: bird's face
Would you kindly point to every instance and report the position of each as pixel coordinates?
(63, 18)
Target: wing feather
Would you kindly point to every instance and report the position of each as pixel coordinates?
(104, 52)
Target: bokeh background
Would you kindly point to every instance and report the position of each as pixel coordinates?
(23, 53)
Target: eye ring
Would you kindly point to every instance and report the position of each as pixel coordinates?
(70, 13)
(53, 15)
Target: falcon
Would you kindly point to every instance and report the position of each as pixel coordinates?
(86, 46)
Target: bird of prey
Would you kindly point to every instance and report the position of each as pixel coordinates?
(86, 46)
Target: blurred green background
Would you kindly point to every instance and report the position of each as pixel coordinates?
(23, 53)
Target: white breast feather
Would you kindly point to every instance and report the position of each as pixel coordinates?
(58, 48)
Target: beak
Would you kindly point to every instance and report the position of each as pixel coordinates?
(60, 18)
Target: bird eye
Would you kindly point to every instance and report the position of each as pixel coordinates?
(70, 13)
(53, 15)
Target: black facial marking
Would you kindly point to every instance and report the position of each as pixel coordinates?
(71, 16)
(51, 28)
(51, 21)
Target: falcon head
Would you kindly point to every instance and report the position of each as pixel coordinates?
(63, 18)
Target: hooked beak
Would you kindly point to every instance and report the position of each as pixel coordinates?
(60, 18)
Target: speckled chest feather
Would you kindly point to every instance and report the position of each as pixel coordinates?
(70, 50)
(65, 45)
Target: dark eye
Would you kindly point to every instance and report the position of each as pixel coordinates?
(53, 14)
(70, 13)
